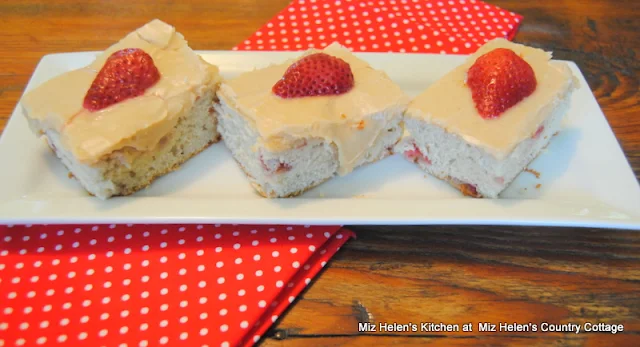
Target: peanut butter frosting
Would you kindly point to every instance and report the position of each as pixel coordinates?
(352, 121)
(138, 122)
(448, 102)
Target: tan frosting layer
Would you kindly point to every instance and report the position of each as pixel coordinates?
(347, 120)
(140, 122)
(448, 102)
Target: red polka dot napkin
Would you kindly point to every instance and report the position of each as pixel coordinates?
(419, 26)
(153, 285)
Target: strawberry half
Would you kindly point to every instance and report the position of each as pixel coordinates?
(314, 75)
(499, 80)
(126, 74)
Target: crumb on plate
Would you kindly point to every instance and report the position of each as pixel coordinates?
(533, 172)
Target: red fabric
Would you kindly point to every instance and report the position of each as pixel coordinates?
(419, 26)
(153, 285)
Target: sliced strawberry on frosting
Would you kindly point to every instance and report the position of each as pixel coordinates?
(126, 74)
(499, 80)
(315, 75)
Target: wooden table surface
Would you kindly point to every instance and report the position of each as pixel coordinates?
(449, 274)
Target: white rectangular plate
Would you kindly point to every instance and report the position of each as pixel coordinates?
(585, 178)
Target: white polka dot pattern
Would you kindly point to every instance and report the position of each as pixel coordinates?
(405, 26)
(148, 285)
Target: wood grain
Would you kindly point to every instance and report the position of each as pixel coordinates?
(414, 274)
(470, 275)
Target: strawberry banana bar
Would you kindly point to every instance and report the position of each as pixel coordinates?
(480, 125)
(295, 125)
(140, 110)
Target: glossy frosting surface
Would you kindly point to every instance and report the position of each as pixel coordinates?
(448, 102)
(139, 122)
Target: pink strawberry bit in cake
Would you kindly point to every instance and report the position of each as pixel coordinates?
(274, 166)
(499, 80)
(127, 73)
(538, 132)
(414, 154)
(315, 75)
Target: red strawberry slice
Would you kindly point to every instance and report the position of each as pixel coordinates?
(126, 74)
(314, 75)
(499, 80)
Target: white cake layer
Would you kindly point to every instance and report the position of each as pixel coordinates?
(289, 172)
(453, 159)
(126, 171)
